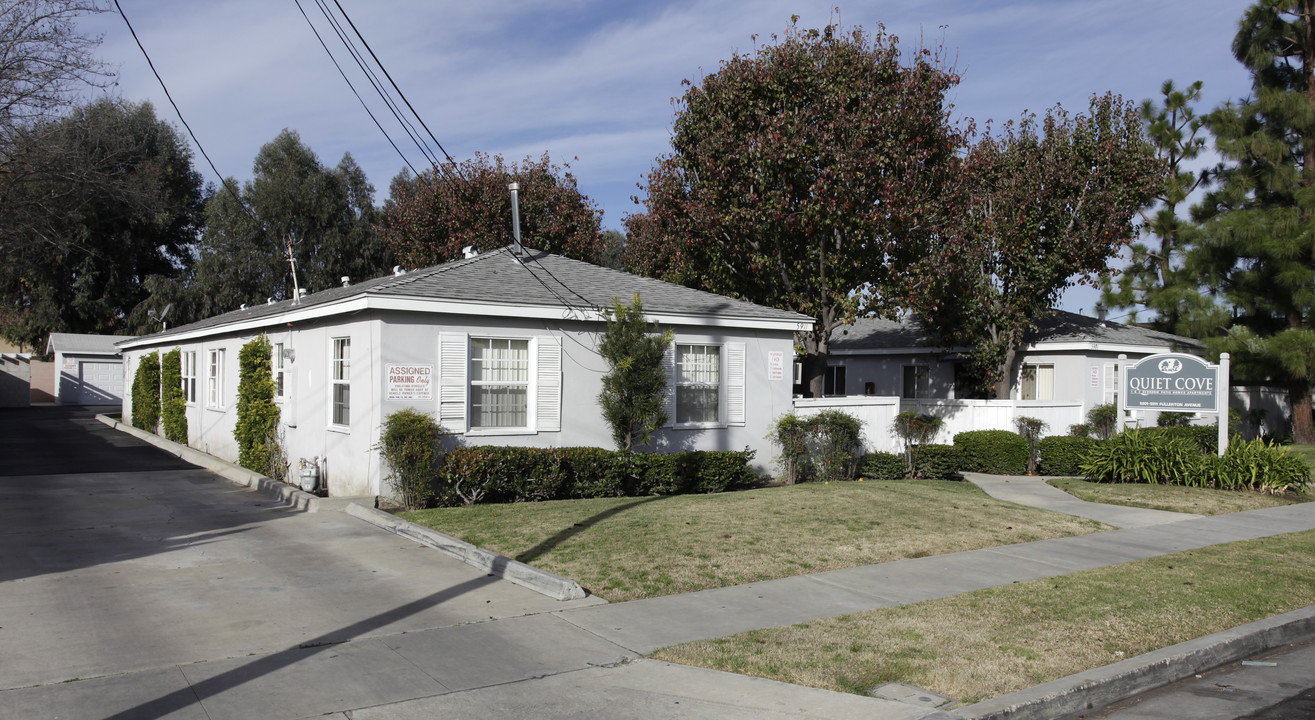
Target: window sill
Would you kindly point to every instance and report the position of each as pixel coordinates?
(212, 408)
(700, 426)
(340, 429)
(489, 432)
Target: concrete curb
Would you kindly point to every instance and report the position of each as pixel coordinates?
(541, 581)
(1103, 686)
(287, 494)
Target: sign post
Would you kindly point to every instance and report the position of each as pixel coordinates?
(1177, 382)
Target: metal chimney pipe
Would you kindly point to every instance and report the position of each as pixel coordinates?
(515, 217)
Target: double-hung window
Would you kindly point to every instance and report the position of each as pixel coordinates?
(1038, 382)
(340, 377)
(214, 379)
(276, 365)
(499, 383)
(188, 371)
(698, 384)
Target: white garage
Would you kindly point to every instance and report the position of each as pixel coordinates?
(89, 370)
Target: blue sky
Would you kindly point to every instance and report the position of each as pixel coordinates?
(591, 81)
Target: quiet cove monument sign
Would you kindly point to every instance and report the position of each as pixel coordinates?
(1175, 382)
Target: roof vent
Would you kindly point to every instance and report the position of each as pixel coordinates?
(398, 271)
(303, 292)
(244, 307)
(1101, 312)
(469, 252)
(269, 301)
(346, 281)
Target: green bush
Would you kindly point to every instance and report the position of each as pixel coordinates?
(937, 462)
(146, 393)
(1065, 454)
(1080, 430)
(1103, 420)
(1145, 456)
(408, 445)
(1204, 437)
(1257, 465)
(1030, 429)
(824, 446)
(173, 403)
(1174, 419)
(998, 452)
(511, 474)
(257, 428)
(883, 466)
(915, 429)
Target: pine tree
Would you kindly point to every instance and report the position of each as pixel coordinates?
(1258, 245)
(634, 388)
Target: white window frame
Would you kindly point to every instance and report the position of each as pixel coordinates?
(276, 366)
(214, 378)
(187, 362)
(528, 385)
(1038, 392)
(1110, 384)
(720, 385)
(340, 376)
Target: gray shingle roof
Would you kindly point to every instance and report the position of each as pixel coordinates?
(499, 278)
(1062, 326)
(79, 343)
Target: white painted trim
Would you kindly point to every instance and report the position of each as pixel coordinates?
(448, 307)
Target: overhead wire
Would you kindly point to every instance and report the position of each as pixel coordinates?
(352, 87)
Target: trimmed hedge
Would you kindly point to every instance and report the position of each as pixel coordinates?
(998, 452)
(1065, 454)
(495, 474)
(883, 466)
(939, 462)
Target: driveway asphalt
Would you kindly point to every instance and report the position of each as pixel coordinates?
(135, 586)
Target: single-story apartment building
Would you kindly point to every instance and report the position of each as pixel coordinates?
(89, 370)
(501, 348)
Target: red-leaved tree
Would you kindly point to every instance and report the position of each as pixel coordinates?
(428, 219)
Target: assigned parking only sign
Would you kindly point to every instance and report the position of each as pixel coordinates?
(408, 382)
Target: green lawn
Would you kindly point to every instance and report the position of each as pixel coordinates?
(1175, 498)
(629, 548)
(1305, 452)
(987, 643)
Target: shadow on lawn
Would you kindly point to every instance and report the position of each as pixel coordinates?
(542, 548)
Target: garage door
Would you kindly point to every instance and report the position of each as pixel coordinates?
(99, 383)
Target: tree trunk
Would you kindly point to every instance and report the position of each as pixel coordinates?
(815, 374)
(1004, 386)
(1299, 400)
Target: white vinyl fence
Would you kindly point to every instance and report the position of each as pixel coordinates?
(877, 413)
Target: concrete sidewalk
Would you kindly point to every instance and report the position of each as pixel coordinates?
(1036, 492)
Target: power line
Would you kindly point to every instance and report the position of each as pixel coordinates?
(352, 87)
(223, 181)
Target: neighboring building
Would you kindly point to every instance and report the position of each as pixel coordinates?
(89, 368)
(1069, 358)
(500, 348)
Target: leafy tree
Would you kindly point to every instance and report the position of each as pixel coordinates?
(915, 429)
(613, 244)
(1050, 204)
(256, 430)
(1155, 277)
(1258, 245)
(636, 384)
(429, 219)
(802, 177)
(325, 215)
(108, 198)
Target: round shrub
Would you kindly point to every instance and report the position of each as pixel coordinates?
(998, 452)
(408, 445)
(1065, 454)
(937, 462)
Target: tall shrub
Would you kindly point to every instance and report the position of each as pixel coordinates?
(1103, 420)
(998, 452)
(634, 387)
(825, 446)
(257, 431)
(1030, 429)
(408, 445)
(146, 393)
(173, 404)
(915, 429)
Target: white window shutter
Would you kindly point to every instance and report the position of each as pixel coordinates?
(735, 383)
(669, 395)
(548, 390)
(452, 381)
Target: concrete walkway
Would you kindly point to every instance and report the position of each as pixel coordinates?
(1034, 491)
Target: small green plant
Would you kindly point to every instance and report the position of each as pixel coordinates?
(1260, 466)
(1082, 430)
(1030, 429)
(1174, 419)
(1137, 455)
(1103, 420)
(915, 429)
(824, 446)
(998, 452)
(257, 431)
(173, 404)
(408, 445)
(634, 387)
(146, 393)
